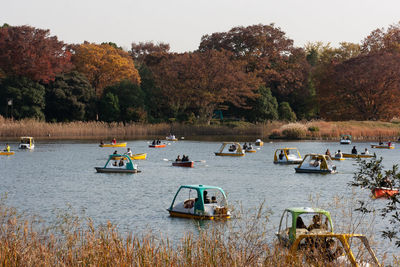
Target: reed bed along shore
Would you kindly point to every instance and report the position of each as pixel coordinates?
(77, 242)
(315, 130)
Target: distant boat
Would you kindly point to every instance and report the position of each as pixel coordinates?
(188, 164)
(125, 165)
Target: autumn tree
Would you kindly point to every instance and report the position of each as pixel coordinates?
(144, 52)
(33, 53)
(363, 88)
(104, 65)
(69, 98)
(203, 80)
(269, 54)
(381, 40)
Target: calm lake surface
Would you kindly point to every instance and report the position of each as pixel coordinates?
(61, 173)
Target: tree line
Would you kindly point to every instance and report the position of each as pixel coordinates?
(252, 73)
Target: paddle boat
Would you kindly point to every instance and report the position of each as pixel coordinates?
(316, 163)
(188, 164)
(250, 150)
(292, 223)
(140, 156)
(287, 156)
(26, 142)
(259, 142)
(171, 137)
(199, 202)
(336, 249)
(234, 150)
(113, 145)
(389, 145)
(123, 165)
(379, 192)
(345, 139)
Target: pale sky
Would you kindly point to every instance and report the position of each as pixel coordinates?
(182, 23)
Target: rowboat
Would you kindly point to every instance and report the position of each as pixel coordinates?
(5, 153)
(347, 155)
(379, 192)
(140, 156)
(383, 146)
(195, 203)
(234, 150)
(27, 142)
(316, 163)
(287, 156)
(188, 164)
(157, 146)
(250, 150)
(113, 145)
(125, 165)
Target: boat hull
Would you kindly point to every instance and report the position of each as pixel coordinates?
(26, 146)
(187, 164)
(300, 170)
(229, 154)
(157, 146)
(381, 146)
(140, 156)
(288, 162)
(113, 145)
(339, 159)
(251, 151)
(114, 170)
(357, 156)
(5, 153)
(384, 192)
(197, 217)
(172, 139)
(345, 142)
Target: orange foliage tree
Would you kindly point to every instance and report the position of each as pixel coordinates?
(33, 53)
(203, 80)
(104, 65)
(366, 87)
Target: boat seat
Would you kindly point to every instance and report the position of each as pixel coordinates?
(188, 203)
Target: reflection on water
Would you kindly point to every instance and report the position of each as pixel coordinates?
(62, 172)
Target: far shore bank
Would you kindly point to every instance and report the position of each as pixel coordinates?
(240, 131)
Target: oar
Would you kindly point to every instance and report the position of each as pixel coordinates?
(168, 160)
(203, 161)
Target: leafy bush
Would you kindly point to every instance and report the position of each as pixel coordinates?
(294, 131)
(313, 129)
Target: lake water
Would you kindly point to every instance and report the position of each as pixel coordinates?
(61, 173)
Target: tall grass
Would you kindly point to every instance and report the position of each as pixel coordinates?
(360, 130)
(75, 242)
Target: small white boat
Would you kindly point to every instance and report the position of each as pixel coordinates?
(27, 142)
(287, 156)
(316, 163)
(345, 139)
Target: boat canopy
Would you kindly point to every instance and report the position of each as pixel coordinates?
(128, 165)
(238, 148)
(289, 154)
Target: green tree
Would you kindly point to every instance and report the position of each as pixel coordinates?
(368, 176)
(70, 97)
(109, 107)
(285, 112)
(130, 99)
(28, 97)
(264, 107)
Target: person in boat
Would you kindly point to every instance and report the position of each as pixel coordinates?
(354, 150)
(389, 144)
(114, 141)
(121, 162)
(213, 199)
(184, 158)
(7, 148)
(129, 152)
(153, 143)
(178, 158)
(366, 152)
(250, 146)
(380, 142)
(386, 182)
(328, 153)
(245, 146)
(101, 142)
(206, 198)
(317, 223)
(281, 155)
(158, 141)
(333, 250)
(115, 152)
(300, 224)
(316, 163)
(115, 163)
(339, 154)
